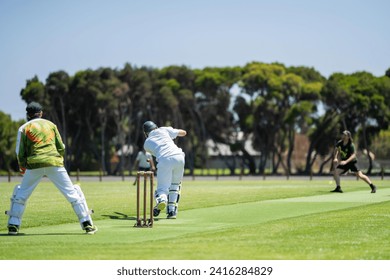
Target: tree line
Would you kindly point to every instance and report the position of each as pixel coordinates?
(99, 112)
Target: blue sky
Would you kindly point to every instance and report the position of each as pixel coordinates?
(38, 37)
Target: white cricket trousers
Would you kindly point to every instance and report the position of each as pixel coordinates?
(170, 171)
(59, 176)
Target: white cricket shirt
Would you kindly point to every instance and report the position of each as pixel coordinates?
(160, 142)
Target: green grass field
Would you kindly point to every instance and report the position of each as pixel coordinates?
(273, 219)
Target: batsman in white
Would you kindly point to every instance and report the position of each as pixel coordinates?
(40, 150)
(170, 166)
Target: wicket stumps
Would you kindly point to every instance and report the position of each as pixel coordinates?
(148, 176)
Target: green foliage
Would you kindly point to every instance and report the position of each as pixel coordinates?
(34, 91)
(308, 74)
(282, 102)
(381, 145)
(8, 132)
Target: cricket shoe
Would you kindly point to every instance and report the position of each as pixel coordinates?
(161, 204)
(91, 229)
(337, 189)
(13, 230)
(172, 215)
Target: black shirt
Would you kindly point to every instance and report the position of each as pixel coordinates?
(346, 151)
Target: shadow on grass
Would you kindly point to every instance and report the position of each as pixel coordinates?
(41, 234)
(121, 216)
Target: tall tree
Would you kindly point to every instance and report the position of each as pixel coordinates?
(137, 100)
(213, 99)
(34, 91)
(56, 103)
(281, 102)
(84, 143)
(322, 135)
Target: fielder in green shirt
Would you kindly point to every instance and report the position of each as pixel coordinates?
(39, 144)
(40, 151)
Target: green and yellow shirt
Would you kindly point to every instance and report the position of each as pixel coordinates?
(39, 144)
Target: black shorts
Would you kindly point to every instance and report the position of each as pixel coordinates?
(349, 166)
(144, 169)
